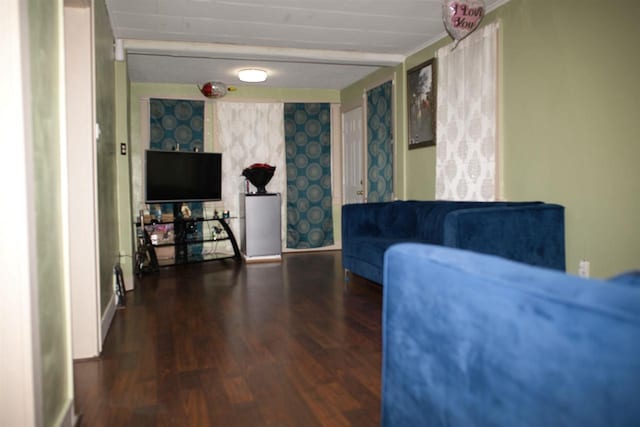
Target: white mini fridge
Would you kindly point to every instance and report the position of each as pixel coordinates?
(260, 229)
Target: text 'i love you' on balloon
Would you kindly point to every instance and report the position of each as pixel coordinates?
(462, 17)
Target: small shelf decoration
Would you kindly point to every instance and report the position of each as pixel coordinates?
(259, 174)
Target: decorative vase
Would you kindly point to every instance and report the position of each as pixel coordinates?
(259, 174)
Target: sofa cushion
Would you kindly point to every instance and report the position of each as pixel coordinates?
(397, 220)
(371, 248)
(365, 255)
(629, 278)
(531, 233)
(431, 217)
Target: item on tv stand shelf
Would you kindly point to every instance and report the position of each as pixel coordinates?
(185, 211)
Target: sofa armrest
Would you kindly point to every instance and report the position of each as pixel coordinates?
(630, 278)
(476, 340)
(533, 234)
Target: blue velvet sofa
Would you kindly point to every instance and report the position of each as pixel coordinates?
(530, 232)
(476, 340)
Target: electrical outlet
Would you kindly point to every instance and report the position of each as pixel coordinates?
(584, 268)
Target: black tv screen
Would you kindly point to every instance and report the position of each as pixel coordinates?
(174, 176)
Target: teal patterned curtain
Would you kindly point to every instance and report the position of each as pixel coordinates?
(178, 125)
(308, 155)
(379, 144)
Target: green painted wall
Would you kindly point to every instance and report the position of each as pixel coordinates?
(106, 152)
(571, 105)
(46, 61)
(570, 100)
(125, 217)
(422, 160)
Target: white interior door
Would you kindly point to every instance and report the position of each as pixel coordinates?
(353, 163)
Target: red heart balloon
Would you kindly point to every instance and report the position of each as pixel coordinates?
(462, 17)
(214, 89)
(206, 89)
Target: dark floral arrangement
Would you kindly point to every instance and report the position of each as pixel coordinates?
(259, 174)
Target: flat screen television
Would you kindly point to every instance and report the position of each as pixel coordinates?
(179, 176)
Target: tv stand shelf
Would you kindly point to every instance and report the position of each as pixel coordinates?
(188, 240)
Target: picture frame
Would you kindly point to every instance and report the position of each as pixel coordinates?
(421, 105)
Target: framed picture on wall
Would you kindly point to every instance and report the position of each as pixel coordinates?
(421, 99)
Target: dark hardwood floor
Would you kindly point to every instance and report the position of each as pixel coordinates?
(235, 344)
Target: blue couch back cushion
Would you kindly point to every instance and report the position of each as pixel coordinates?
(396, 219)
(431, 216)
(388, 219)
(476, 340)
(419, 220)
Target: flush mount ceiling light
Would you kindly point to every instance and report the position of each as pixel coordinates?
(252, 75)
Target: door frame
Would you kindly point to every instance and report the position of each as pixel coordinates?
(363, 153)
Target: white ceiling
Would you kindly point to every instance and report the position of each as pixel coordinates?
(326, 44)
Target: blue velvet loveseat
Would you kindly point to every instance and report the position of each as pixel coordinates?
(530, 232)
(476, 340)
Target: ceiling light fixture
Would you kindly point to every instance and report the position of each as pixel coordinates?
(252, 75)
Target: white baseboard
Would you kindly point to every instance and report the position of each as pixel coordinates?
(334, 247)
(107, 318)
(129, 282)
(267, 258)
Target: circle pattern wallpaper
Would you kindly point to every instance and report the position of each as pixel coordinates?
(308, 151)
(379, 144)
(176, 125)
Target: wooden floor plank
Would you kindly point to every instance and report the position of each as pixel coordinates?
(236, 344)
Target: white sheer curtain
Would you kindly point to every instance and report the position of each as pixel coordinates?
(466, 153)
(248, 133)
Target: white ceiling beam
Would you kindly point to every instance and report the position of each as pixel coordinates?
(233, 51)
